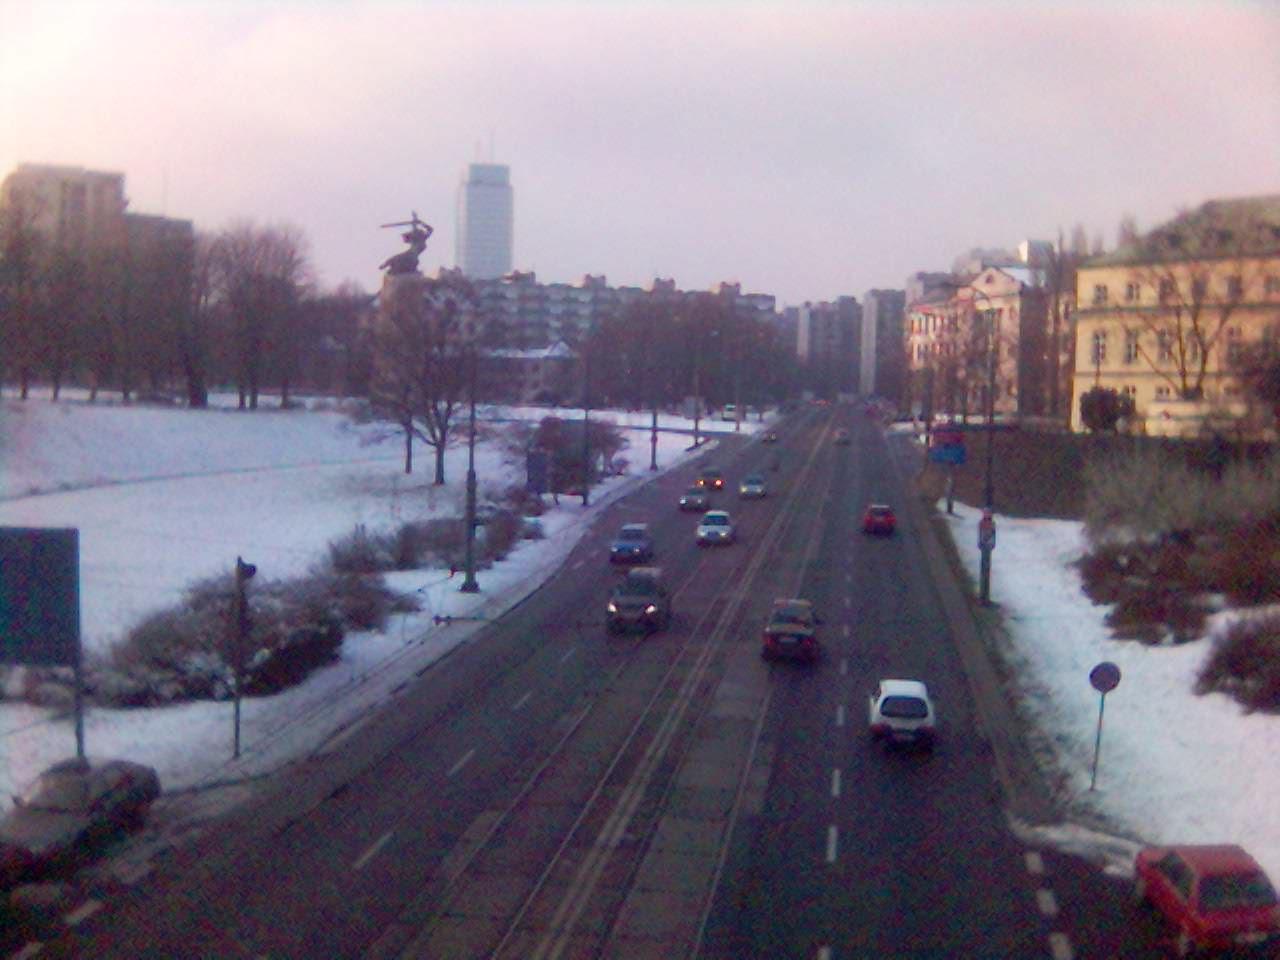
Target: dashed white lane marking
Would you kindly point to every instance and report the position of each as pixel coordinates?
(833, 842)
(1060, 947)
(848, 602)
(82, 913)
(840, 715)
(847, 631)
(1047, 902)
(462, 761)
(835, 783)
(27, 952)
(1035, 863)
(522, 701)
(568, 653)
(844, 666)
(824, 953)
(373, 850)
(134, 872)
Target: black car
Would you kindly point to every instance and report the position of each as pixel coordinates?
(640, 600)
(632, 545)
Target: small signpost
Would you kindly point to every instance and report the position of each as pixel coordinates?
(986, 543)
(1105, 677)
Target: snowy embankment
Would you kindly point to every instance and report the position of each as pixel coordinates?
(165, 497)
(1174, 767)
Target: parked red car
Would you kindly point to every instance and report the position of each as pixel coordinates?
(879, 519)
(1215, 897)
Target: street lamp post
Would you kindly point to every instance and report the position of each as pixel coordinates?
(987, 544)
(469, 584)
(586, 421)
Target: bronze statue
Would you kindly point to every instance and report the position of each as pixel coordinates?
(406, 261)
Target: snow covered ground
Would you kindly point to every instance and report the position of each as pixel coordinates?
(1174, 767)
(164, 497)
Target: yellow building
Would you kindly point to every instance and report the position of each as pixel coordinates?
(1170, 317)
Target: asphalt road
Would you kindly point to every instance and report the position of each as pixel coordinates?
(550, 791)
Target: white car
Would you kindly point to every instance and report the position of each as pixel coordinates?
(900, 711)
(752, 487)
(715, 528)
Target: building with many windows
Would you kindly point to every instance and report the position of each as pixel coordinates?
(486, 222)
(882, 358)
(1171, 317)
(74, 207)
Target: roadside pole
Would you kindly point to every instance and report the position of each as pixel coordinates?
(240, 631)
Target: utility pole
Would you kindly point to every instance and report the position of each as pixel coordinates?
(586, 421)
(469, 584)
(240, 631)
(987, 543)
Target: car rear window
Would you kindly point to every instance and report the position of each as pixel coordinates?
(880, 511)
(717, 520)
(797, 615)
(631, 533)
(1232, 890)
(904, 708)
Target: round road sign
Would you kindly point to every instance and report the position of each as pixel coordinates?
(1105, 677)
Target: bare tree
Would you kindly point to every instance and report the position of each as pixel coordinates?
(420, 367)
(1203, 267)
(261, 271)
(22, 251)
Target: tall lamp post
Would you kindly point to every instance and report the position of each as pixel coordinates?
(986, 528)
(586, 419)
(469, 584)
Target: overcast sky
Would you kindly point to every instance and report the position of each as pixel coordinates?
(805, 150)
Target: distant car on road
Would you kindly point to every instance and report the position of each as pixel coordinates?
(752, 487)
(711, 479)
(695, 498)
(640, 600)
(791, 631)
(1215, 897)
(770, 436)
(729, 412)
(632, 545)
(842, 437)
(715, 529)
(70, 808)
(879, 519)
(900, 711)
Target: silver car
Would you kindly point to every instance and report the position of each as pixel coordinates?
(715, 529)
(752, 487)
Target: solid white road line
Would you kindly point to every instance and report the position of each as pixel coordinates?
(1060, 947)
(373, 850)
(847, 631)
(462, 762)
(568, 653)
(131, 874)
(835, 783)
(848, 603)
(1035, 863)
(840, 715)
(1047, 902)
(833, 840)
(844, 666)
(27, 952)
(82, 913)
(522, 701)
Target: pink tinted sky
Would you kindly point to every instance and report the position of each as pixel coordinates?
(804, 149)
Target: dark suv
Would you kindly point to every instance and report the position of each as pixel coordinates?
(640, 600)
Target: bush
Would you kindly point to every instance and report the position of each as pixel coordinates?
(184, 653)
(1102, 408)
(1245, 664)
(363, 552)
(500, 534)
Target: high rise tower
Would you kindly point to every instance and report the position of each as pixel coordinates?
(485, 221)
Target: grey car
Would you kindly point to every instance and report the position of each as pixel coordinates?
(69, 808)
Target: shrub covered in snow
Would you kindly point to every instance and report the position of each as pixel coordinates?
(1245, 663)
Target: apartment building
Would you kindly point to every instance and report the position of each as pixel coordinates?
(1170, 317)
(75, 207)
(485, 222)
(882, 359)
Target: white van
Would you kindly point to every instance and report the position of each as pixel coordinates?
(729, 412)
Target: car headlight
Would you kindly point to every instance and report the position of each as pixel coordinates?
(613, 607)
(651, 609)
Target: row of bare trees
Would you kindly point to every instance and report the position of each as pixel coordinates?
(161, 310)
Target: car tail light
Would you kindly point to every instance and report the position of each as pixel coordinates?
(879, 728)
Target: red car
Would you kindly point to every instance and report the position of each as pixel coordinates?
(1216, 898)
(879, 519)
